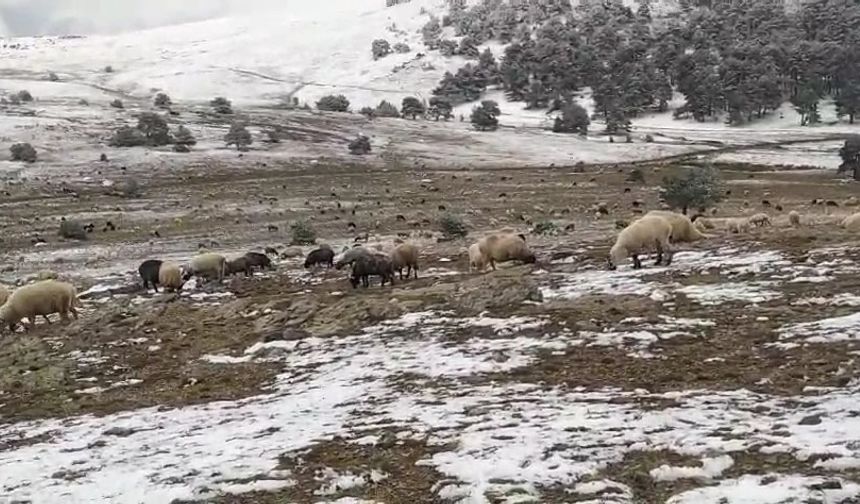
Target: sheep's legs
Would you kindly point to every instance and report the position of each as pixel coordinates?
(415, 271)
(669, 256)
(46, 319)
(637, 263)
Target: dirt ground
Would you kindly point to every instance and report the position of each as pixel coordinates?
(132, 349)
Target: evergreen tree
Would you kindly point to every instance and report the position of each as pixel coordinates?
(380, 48)
(440, 107)
(467, 85)
(183, 136)
(162, 100)
(412, 107)
(488, 67)
(850, 154)
(485, 116)
(848, 102)
(333, 103)
(573, 119)
(154, 129)
(468, 48)
(431, 33)
(386, 109)
(700, 188)
(23, 152)
(360, 146)
(806, 104)
(447, 48)
(239, 136)
(222, 105)
(127, 136)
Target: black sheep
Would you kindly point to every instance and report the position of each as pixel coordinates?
(239, 265)
(258, 260)
(324, 256)
(149, 273)
(372, 265)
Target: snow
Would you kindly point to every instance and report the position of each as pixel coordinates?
(710, 469)
(716, 294)
(768, 489)
(828, 330)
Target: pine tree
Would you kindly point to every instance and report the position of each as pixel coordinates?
(850, 154)
(380, 48)
(485, 116)
(239, 136)
(154, 129)
(440, 107)
(700, 188)
(183, 136)
(468, 48)
(162, 100)
(488, 67)
(333, 103)
(222, 105)
(386, 109)
(806, 104)
(573, 119)
(848, 103)
(412, 107)
(431, 33)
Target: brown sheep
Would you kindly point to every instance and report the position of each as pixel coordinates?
(505, 247)
(649, 232)
(41, 298)
(405, 255)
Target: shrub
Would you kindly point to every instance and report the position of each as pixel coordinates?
(239, 136)
(440, 107)
(273, 135)
(573, 119)
(360, 146)
(83, 102)
(108, 69)
(25, 96)
(452, 226)
(484, 117)
(117, 104)
(850, 155)
(14, 100)
(53, 77)
(154, 129)
(301, 233)
(333, 103)
(700, 188)
(401, 48)
(23, 152)
(127, 136)
(547, 228)
(636, 175)
(386, 109)
(222, 105)
(72, 230)
(162, 100)
(184, 137)
(131, 189)
(368, 112)
(448, 48)
(468, 48)
(412, 107)
(380, 48)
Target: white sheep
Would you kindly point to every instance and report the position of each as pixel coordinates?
(170, 276)
(738, 225)
(4, 295)
(405, 255)
(683, 230)
(649, 232)
(505, 247)
(41, 298)
(851, 222)
(476, 259)
(759, 220)
(209, 265)
(794, 218)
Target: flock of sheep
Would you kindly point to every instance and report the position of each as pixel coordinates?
(657, 231)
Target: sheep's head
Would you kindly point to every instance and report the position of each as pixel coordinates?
(529, 257)
(617, 254)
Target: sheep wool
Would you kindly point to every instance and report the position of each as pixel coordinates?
(503, 248)
(476, 259)
(170, 276)
(405, 255)
(794, 218)
(4, 295)
(683, 229)
(209, 265)
(41, 298)
(738, 225)
(760, 220)
(649, 232)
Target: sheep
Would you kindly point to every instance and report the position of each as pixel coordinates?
(651, 231)
(505, 247)
(476, 259)
(324, 256)
(851, 222)
(239, 265)
(405, 255)
(738, 225)
(369, 265)
(149, 271)
(351, 255)
(208, 265)
(291, 252)
(258, 260)
(170, 276)
(683, 229)
(760, 220)
(4, 295)
(794, 218)
(47, 275)
(41, 298)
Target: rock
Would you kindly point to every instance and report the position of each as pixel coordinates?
(119, 432)
(826, 485)
(811, 420)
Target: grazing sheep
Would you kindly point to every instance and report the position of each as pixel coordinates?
(651, 231)
(760, 220)
(351, 255)
(47, 275)
(212, 266)
(476, 259)
(148, 271)
(239, 265)
(258, 260)
(738, 225)
(700, 226)
(41, 298)
(505, 247)
(291, 252)
(794, 218)
(369, 265)
(851, 222)
(170, 276)
(405, 255)
(683, 229)
(4, 295)
(324, 256)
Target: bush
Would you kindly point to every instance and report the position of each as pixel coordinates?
(484, 117)
(412, 107)
(23, 152)
(440, 107)
(368, 112)
(386, 109)
(636, 175)
(700, 188)
(25, 96)
(184, 137)
(117, 104)
(222, 105)
(850, 155)
(239, 136)
(333, 103)
(181, 148)
(573, 119)
(547, 228)
(108, 69)
(154, 129)
(452, 226)
(468, 48)
(273, 135)
(72, 230)
(127, 136)
(649, 138)
(380, 48)
(53, 77)
(83, 102)
(301, 233)
(360, 146)
(448, 48)
(14, 100)
(162, 100)
(401, 48)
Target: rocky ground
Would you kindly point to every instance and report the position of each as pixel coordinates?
(728, 376)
